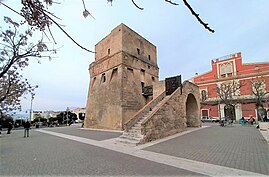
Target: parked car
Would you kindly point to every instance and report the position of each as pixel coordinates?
(208, 119)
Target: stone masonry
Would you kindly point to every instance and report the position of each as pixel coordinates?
(125, 64)
(170, 115)
(178, 112)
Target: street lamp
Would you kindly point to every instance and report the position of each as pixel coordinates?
(31, 108)
(67, 109)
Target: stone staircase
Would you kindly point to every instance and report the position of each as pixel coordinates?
(134, 134)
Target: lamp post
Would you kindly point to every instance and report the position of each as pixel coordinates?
(31, 108)
(67, 109)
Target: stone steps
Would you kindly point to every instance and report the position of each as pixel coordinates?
(129, 139)
(134, 136)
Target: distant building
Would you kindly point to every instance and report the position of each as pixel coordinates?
(44, 114)
(80, 112)
(229, 71)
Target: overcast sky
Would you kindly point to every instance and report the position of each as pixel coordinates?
(184, 46)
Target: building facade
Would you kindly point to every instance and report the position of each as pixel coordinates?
(124, 64)
(44, 114)
(231, 82)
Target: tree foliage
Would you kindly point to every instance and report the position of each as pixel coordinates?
(259, 90)
(227, 90)
(15, 52)
(66, 117)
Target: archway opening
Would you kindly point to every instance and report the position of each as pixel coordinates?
(192, 112)
(229, 112)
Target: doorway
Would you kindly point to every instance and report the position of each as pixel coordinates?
(229, 112)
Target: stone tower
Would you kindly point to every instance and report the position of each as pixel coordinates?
(125, 63)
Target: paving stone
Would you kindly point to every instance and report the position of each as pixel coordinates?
(237, 147)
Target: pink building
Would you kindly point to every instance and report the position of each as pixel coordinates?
(246, 81)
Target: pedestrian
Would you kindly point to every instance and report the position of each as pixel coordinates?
(251, 120)
(221, 122)
(242, 121)
(26, 126)
(9, 127)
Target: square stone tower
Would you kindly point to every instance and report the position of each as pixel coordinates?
(125, 63)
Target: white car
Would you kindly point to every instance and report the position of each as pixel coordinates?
(208, 119)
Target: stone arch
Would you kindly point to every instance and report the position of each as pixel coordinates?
(192, 111)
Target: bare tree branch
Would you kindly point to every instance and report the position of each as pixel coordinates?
(197, 17)
(173, 3)
(69, 36)
(42, 24)
(259, 90)
(137, 5)
(14, 56)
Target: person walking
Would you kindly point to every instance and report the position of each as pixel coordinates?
(9, 127)
(26, 126)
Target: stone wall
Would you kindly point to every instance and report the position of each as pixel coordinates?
(104, 100)
(124, 63)
(130, 123)
(158, 88)
(191, 102)
(182, 109)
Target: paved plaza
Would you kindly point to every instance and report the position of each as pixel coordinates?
(71, 151)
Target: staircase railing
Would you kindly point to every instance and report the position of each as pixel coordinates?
(149, 106)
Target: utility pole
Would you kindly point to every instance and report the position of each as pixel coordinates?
(31, 108)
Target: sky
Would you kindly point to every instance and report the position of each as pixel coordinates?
(184, 47)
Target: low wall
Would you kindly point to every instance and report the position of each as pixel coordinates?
(167, 120)
(143, 111)
(172, 116)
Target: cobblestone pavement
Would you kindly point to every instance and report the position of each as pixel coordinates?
(98, 135)
(42, 154)
(240, 147)
(94, 153)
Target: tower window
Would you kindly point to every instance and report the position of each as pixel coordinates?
(149, 57)
(108, 51)
(142, 85)
(138, 51)
(114, 73)
(130, 69)
(203, 95)
(103, 78)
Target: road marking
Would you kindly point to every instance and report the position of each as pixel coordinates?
(181, 163)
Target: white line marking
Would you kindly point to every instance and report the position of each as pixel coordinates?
(169, 137)
(190, 165)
